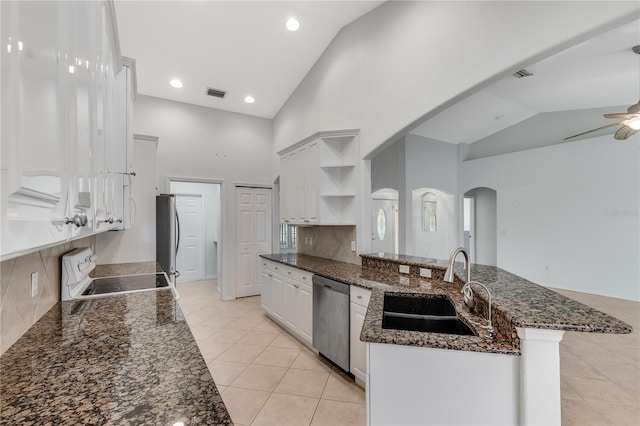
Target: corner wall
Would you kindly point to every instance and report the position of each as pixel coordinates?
(204, 143)
(138, 243)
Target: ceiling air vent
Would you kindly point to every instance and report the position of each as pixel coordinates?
(522, 73)
(216, 93)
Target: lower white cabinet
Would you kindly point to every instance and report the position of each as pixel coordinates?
(359, 298)
(287, 297)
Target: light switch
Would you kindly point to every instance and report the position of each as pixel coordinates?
(404, 269)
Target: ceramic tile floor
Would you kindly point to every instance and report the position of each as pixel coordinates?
(266, 377)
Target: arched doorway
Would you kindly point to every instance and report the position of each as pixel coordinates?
(480, 225)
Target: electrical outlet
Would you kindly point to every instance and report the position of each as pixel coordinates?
(425, 272)
(404, 269)
(34, 284)
(353, 246)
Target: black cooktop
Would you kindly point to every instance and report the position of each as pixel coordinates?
(126, 283)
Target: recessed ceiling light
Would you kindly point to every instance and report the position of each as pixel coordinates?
(176, 83)
(293, 24)
(249, 99)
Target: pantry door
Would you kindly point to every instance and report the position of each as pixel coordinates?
(190, 258)
(253, 236)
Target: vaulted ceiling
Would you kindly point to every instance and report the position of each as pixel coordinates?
(599, 75)
(241, 47)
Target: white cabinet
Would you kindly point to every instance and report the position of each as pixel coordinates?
(359, 298)
(318, 180)
(35, 124)
(60, 127)
(305, 312)
(287, 297)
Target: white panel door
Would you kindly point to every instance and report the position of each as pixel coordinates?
(253, 237)
(190, 260)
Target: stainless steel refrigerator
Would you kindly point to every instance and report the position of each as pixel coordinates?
(167, 234)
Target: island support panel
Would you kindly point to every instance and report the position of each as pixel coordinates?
(539, 376)
(409, 385)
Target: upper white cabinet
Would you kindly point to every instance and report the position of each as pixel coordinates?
(318, 179)
(59, 122)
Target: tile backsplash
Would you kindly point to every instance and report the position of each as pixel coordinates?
(330, 242)
(18, 310)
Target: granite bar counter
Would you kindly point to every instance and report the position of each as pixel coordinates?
(517, 302)
(118, 360)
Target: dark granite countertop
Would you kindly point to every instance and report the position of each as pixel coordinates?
(516, 302)
(119, 360)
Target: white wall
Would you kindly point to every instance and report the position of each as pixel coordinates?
(210, 193)
(205, 143)
(435, 245)
(138, 243)
(567, 215)
(403, 61)
(485, 236)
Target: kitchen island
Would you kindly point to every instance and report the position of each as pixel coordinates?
(417, 377)
(119, 360)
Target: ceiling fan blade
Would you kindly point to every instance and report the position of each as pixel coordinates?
(625, 132)
(620, 115)
(594, 130)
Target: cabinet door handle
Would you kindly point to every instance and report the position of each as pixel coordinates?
(359, 297)
(306, 220)
(289, 272)
(304, 278)
(270, 276)
(296, 286)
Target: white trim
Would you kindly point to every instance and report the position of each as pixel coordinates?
(324, 134)
(131, 64)
(112, 32)
(146, 138)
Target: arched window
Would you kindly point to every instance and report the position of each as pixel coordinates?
(429, 209)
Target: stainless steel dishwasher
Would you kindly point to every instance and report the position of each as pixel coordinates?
(331, 320)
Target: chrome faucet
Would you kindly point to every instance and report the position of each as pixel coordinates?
(470, 302)
(448, 274)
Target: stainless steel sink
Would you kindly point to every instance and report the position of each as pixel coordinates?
(427, 314)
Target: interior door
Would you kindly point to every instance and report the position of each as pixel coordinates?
(383, 226)
(253, 237)
(190, 261)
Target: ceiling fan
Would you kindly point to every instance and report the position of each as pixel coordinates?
(630, 119)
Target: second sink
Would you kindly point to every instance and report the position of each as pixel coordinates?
(427, 314)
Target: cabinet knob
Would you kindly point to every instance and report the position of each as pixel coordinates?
(296, 286)
(359, 297)
(78, 219)
(289, 272)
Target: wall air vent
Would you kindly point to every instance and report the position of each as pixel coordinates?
(216, 93)
(522, 73)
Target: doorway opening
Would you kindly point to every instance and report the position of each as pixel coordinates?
(198, 205)
(384, 221)
(480, 225)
